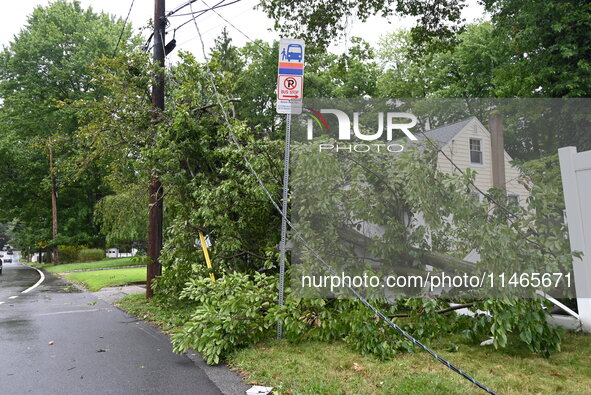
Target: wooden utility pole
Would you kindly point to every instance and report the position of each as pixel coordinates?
(155, 191)
(55, 258)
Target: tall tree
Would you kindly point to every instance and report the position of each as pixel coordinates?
(551, 46)
(321, 21)
(48, 64)
(226, 54)
(483, 64)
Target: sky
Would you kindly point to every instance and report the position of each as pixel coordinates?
(246, 21)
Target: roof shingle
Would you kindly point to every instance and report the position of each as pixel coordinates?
(445, 134)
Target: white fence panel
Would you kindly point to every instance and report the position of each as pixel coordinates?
(576, 181)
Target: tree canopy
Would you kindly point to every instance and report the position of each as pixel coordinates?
(47, 64)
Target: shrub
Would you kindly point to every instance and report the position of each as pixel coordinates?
(348, 320)
(68, 253)
(91, 254)
(239, 310)
(231, 314)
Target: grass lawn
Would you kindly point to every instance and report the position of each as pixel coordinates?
(321, 368)
(332, 368)
(105, 263)
(95, 280)
(167, 319)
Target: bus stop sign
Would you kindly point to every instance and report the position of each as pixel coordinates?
(290, 80)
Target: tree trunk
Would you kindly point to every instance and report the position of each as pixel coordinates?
(154, 267)
(435, 259)
(55, 257)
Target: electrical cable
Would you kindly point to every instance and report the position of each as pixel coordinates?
(123, 28)
(230, 23)
(207, 9)
(147, 46)
(310, 248)
(185, 4)
(186, 22)
(199, 13)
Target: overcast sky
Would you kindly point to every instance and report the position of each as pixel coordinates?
(251, 22)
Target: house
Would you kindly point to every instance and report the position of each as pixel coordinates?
(469, 144)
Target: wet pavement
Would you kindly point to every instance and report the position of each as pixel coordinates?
(15, 278)
(58, 340)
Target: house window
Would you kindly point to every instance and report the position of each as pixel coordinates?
(476, 151)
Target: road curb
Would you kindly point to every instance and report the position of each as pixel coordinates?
(227, 381)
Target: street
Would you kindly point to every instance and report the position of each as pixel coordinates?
(15, 278)
(58, 340)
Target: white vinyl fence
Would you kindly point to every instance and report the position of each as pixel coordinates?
(575, 168)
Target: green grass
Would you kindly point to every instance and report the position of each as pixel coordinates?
(105, 263)
(332, 368)
(95, 280)
(322, 368)
(149, 310)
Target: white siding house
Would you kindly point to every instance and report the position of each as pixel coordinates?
(468, 144)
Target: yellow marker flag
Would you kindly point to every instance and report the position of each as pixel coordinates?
(206, 254)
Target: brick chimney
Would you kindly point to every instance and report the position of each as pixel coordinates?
(497, 148)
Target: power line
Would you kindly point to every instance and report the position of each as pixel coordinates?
(230, 23)
(201, 12)
(198, 13)
(310, 248)
(204, 32)
(206, 9)
(123, 28)
(185, 4)
(193, 16)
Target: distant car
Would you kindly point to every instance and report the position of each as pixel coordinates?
(7, 260)
(1, 254)
(9, 252)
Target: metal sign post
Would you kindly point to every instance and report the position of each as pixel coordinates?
(283, 219)
(290, 87)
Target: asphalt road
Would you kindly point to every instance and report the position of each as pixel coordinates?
(15, 278)
(58, 340)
